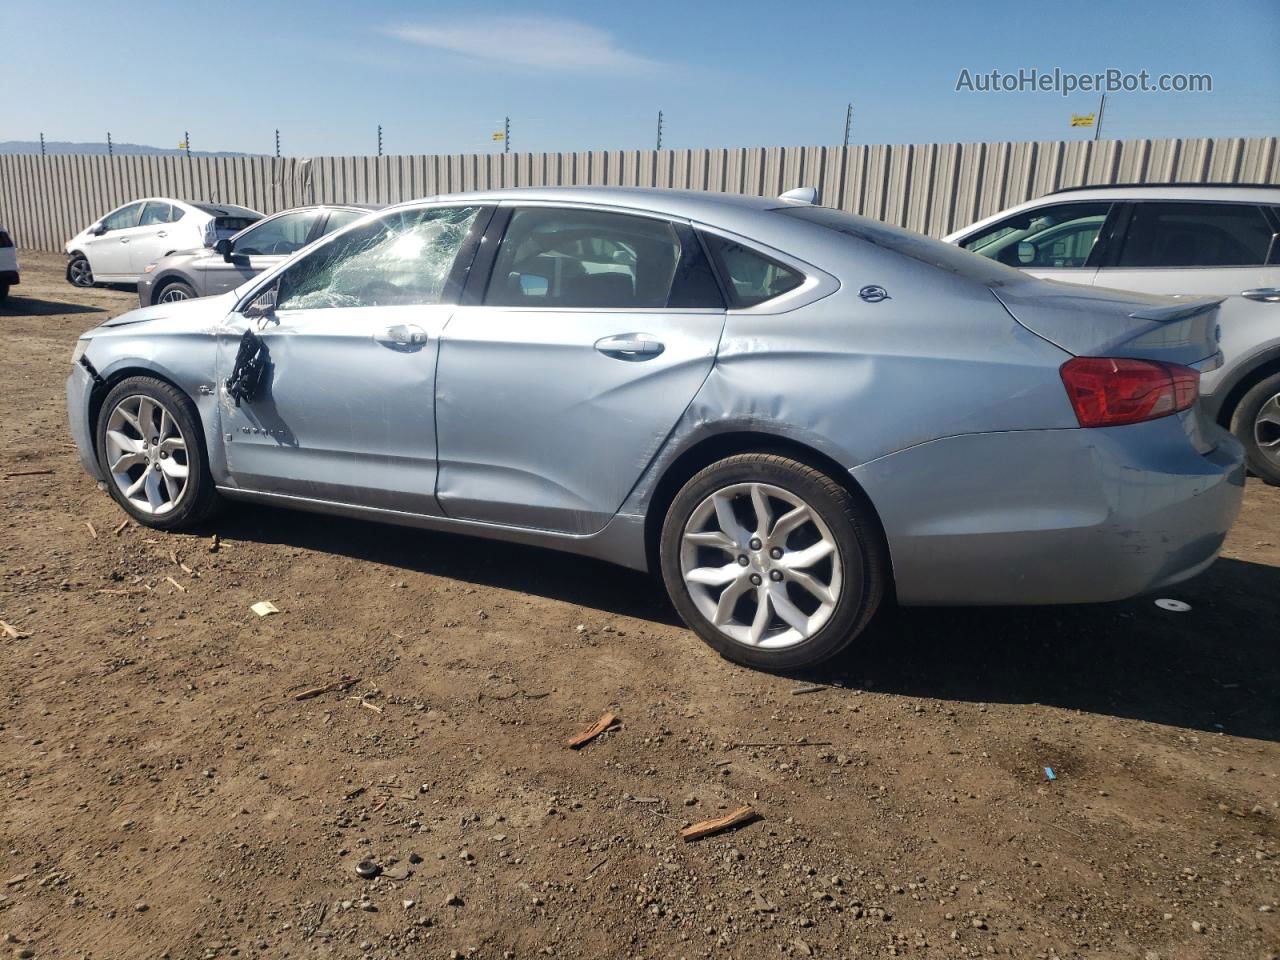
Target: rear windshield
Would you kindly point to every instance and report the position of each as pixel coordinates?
(233, 224)
(906, 242)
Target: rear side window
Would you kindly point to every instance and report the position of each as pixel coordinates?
(123, 218)
(1060, 235)
(154, 213)
(750, 276)
(1173, 234)
(585, 259)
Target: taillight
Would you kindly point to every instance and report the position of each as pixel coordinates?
(5, 240)
(1108, 391)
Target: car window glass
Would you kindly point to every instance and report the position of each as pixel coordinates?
(1061, 235)
(553, 257)
(279, 236)
(1172, 234)
(401, 258)
(752, 277)
(123, 218)
(340, 218)
(154, 213)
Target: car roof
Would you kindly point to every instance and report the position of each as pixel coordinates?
(686, 204)
(1238, 192)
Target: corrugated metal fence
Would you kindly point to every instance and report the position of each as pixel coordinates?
(932, 187)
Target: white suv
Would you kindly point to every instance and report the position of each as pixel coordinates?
(8, 263)
(1219, 239)
(117, 247)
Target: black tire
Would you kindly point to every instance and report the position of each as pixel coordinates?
(4, 292)
(181, 289)
(198, 498)
(850, 523)
(1248, 428)
(79, 273)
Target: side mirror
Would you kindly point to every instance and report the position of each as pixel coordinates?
(223, 249)
(263, 305)
(98, 229)
(1027, 252)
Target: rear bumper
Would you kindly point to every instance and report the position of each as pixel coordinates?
(79, 386)
(1054, 516)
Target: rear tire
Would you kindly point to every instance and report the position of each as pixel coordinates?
(175, 291)
(1256, 424)
(79, 273)
(151, 450)
(815, 560)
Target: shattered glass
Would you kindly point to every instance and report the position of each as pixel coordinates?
(403, 258)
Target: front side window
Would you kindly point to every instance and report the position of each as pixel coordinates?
(402, 258)
(1173, 234)
(752, 277)
(278, 236)
(155, 213)
(123, 218)
(340, 218)
(1062, 235)
(553, 257)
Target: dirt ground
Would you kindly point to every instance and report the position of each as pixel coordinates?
(165, 794)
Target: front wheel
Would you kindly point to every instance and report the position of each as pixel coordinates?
(79, 273)
(175, 291)
(1256, 424)
(772, 562)
(150, 451)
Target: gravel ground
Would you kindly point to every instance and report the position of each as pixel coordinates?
(164, 794)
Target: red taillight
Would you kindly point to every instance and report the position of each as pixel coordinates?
(5, 240)
(1108, 391)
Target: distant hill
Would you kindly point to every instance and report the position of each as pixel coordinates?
(120, 149)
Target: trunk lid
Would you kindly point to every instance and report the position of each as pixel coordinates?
(1098, 322)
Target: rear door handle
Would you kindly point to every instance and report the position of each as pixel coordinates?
(402, 335)
(630, 346)
(124, 239)
(1265, 294)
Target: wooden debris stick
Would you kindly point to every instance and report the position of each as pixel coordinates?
(92, 532)
(180, 587)
(784, 743)
(365, 703)
(123, 523)
(705, 828)
(340, 684)
(597, 728)
(28, 473)
(812, 688)
(10, 631)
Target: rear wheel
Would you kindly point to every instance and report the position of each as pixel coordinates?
(79, 272)
(150, 451)
(174, 291)
(772, 562)
(1256, 424)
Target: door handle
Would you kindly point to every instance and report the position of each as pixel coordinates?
(124, 239)
(630, 346)
(163, 233)
(1264, 294)
(402, 335)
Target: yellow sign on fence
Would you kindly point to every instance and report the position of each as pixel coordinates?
(1083, 119)
(499, 136)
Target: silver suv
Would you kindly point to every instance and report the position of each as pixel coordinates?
(1220, 239)
(185, 274)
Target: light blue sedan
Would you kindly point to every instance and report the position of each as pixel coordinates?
(789, 412)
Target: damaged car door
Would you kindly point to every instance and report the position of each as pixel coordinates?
(347, 339)
(562, 375)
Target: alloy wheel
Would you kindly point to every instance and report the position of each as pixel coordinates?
(81, 273)
(1266, 429)
(761, 565)
(173, 294)
(147, 454)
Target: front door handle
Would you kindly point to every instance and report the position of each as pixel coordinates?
(630, 346)
(1265, 294)
(402, 335)
(124, 239)
(163, 233)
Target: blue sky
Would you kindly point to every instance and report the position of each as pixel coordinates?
(439, 76)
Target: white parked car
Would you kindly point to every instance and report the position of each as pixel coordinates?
(1220, 239)
(8, 263)
(121, 244)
